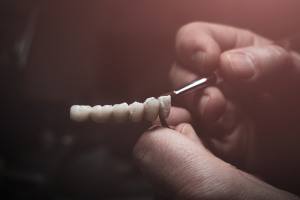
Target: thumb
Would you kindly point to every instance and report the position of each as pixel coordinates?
(179, 166)
(256, 64)
(177, 162)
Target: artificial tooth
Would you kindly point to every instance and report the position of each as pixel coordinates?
(120, 112)
(136, 112)
(101, 114)
(151, 109)
(80, 113)
(165, 106)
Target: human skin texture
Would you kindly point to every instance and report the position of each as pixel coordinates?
(248, 124)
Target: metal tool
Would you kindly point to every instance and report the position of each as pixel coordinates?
(196, 85)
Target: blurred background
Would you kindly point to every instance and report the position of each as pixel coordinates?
(55, 53)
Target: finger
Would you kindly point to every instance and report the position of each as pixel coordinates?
(223, 125)
(199, 45)
(177, 116)
(211, 105)
(221, 120)
(188, 131)
(178, 165)
(219, 109)
(186, 170)
(255, 66)
(233, 145)
(230, 118)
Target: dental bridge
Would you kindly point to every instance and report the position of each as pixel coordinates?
(136, 111)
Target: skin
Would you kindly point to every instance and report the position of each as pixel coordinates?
(246, 127)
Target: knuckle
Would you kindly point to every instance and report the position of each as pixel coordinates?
(187, 37)
(281, 53)
(278, 50)
(248, 32)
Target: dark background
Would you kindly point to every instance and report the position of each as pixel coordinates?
(55, 53)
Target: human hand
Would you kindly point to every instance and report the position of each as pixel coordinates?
(250, 120)
(180, 167)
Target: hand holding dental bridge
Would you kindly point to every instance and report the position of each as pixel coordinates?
(247, 126)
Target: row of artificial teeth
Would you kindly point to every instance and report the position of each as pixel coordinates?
(135, 112)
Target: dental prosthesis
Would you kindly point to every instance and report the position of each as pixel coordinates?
(120, 113)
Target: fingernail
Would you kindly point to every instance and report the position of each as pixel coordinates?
(154, 127)
(203, 102)
(241, 65)
(187, 128)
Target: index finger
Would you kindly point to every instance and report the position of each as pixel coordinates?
(199, 45)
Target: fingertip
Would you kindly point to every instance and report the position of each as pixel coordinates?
(212, 104)
(183, 127)
(188, 131)
(196, 49)
(179, 115)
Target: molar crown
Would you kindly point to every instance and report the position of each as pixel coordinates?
(136, 112)
(80, 113)
(101, 114)
(151, 109)
(120, 112)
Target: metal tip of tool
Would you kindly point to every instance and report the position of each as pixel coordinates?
(195, 85)
(201, 83)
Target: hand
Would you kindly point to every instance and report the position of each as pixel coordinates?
(250, 120)
(180, 167)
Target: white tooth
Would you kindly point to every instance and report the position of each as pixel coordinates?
(101, 114)
(136, 111)
(151, 109)
(165, 106)
(96, 114)
(120, 112)
(80, 113)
